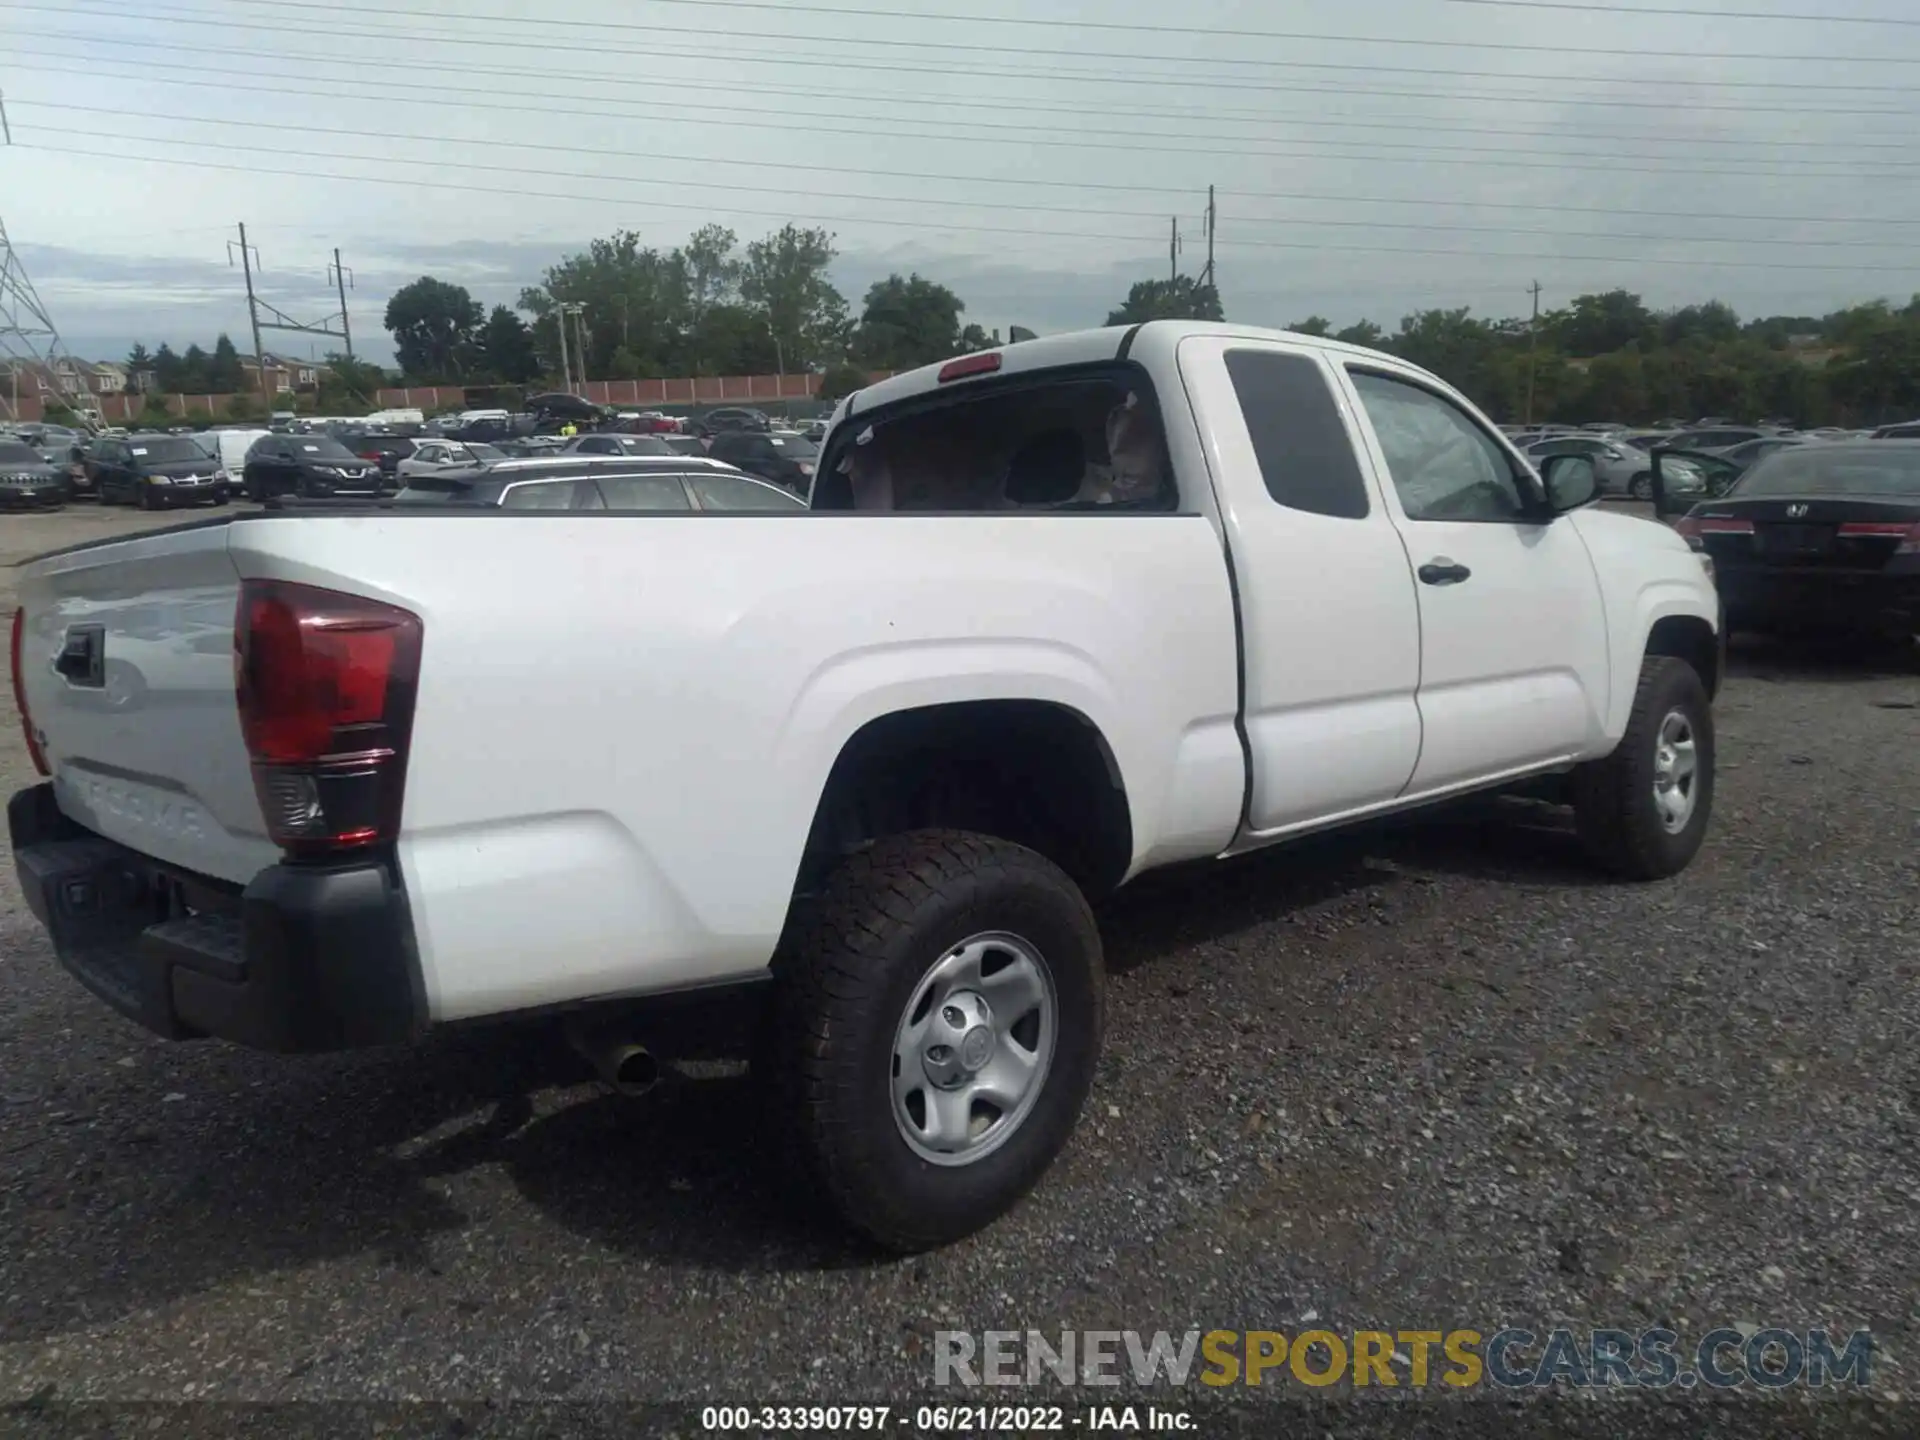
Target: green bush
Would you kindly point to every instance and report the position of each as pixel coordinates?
(841, 381)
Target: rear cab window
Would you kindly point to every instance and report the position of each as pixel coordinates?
(1085, 438)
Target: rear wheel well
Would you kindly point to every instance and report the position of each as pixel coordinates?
(1029, 771)
(1689, 638)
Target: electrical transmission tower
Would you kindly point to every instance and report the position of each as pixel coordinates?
(28, 340)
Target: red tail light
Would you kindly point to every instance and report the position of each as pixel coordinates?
(1906, 532)
(325, 683)
(18, 666)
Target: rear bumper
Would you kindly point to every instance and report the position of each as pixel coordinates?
(305, 958)
(1843, 600)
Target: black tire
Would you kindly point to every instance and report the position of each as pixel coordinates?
(1613, 799)
(850, 967)
(147, 499)
(1640, 487)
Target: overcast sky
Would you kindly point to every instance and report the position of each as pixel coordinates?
(1443, 153)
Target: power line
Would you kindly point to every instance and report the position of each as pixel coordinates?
(705, 84)
(862, 13)
(843, 60)
(1590, 8)
(1101, 138)
(1634, 161)
(676, 108)
(530, 194)
(998, 205)
(200, 80)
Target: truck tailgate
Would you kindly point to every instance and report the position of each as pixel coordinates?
(127, 666)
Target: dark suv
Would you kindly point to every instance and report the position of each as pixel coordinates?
(26, 479)
(732, 417)
(314, 467)
(154, 471)
(786, 459)
(382, 447)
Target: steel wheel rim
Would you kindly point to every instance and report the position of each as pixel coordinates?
(1676, 771)
(973, 1048)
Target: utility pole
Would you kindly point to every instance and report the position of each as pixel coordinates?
(577, 312)
(1173, 251)
(342, 278)
(1533, 346)
(278, 319)
(1210, 226)
(566, 366)
(253, 308)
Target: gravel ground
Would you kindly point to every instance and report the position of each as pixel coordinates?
(1436, 1076)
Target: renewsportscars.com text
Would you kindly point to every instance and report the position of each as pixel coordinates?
(1507, 1359)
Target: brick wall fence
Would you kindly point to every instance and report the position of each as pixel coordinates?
(633, 394)
(625, 394)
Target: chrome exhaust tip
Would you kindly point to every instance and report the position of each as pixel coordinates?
(623, 1067)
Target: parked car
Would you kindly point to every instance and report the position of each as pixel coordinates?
(1717, 437)
(1816, 537)
(601, 482)
(384, 448)
(1910, 430)
(430, 457)
(684, 444)
(154, 471)
(312, 467)
(865, 776)
(1745, 453)
(1620, 468)
(231, 445)
(731, 417)
(814, 430)
(784, 457)
(615, 444)
(27, 481)
(75, 462)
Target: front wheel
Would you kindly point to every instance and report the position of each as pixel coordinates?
(148, 499)
(1640, 487)
(1642, 811)
(934, 1032)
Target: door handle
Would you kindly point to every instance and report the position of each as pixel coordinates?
(1442, 571)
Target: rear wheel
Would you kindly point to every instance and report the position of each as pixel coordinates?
(934, 1033)
(1640, 487)
(1643, 810)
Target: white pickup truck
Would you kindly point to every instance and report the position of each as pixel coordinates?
(1059, 614)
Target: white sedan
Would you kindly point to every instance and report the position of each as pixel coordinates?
(431, 457)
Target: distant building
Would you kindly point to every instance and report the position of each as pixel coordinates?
(283, 376)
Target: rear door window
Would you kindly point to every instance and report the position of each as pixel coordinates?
(730, 492)
(1306, 458)
(540, 495)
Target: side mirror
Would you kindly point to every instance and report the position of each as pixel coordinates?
(1570, 482)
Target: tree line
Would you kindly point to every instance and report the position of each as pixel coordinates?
(1608, 357)
(712, 306)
